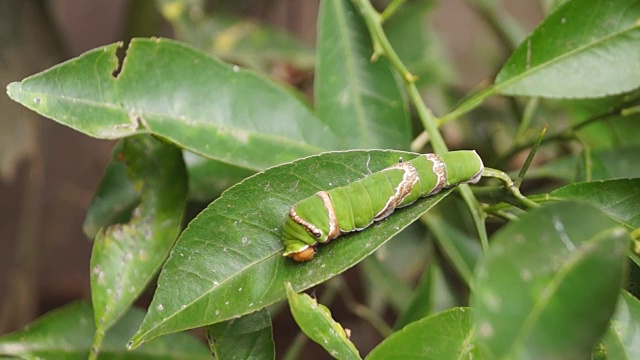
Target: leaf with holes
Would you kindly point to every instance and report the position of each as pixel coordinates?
(181, 94)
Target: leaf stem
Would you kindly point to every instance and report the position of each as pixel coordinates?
(97, 342)
(530, 157)
(382, 46)
(510, 186)
(391, 9)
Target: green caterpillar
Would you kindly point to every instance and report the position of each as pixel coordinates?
(326, 215)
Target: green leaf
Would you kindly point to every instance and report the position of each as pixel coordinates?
(115, 198)
(316, 322)
(549, 283)
(359, 99)
(622, 340)
(248, 337)
(176, 92)
(126, 256)
(228, 262)
(209, 178)
(447, 335)
(619, 162)
(618, 198)
(66, 333)
(583, 49)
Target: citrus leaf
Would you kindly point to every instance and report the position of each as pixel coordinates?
(228, 262)
(582, 49)
(126, 256)
(619, 198)
(531, 288)
(356, 97)
(316, 322)
(622, 340)
(66, 333)
(447, 335)
(248, 337)
(179, 93)
(115, 198)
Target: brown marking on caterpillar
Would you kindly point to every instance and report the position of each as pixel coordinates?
(334, 227)
(409, 179)
(441, 173)
(311, 229)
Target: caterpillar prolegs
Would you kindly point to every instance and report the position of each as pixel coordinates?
(326, 215)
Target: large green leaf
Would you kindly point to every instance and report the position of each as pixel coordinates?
(447, 335)
(357, 98)
(174, 91)
(248, 337)
(583, 49)
(126, 256)
(66, 334)
(316, 322)
(619, 198)
(549, 283)
(228, 262)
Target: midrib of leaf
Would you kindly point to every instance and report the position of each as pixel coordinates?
(564, 56)
(205, 294)
(616, 337)
(177, 118)
(466, 347)
(343, 30)
(585, 249)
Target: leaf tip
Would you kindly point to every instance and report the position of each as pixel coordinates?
(135, 341)
(13, 88)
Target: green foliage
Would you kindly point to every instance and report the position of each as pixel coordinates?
(543, 283)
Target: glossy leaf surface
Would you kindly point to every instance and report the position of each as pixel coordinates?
(228, 262)
(179, 93)
(619, 198)
(316, 322)
(447, 335)
(531, 287)
(622, 340)
(582, 49)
